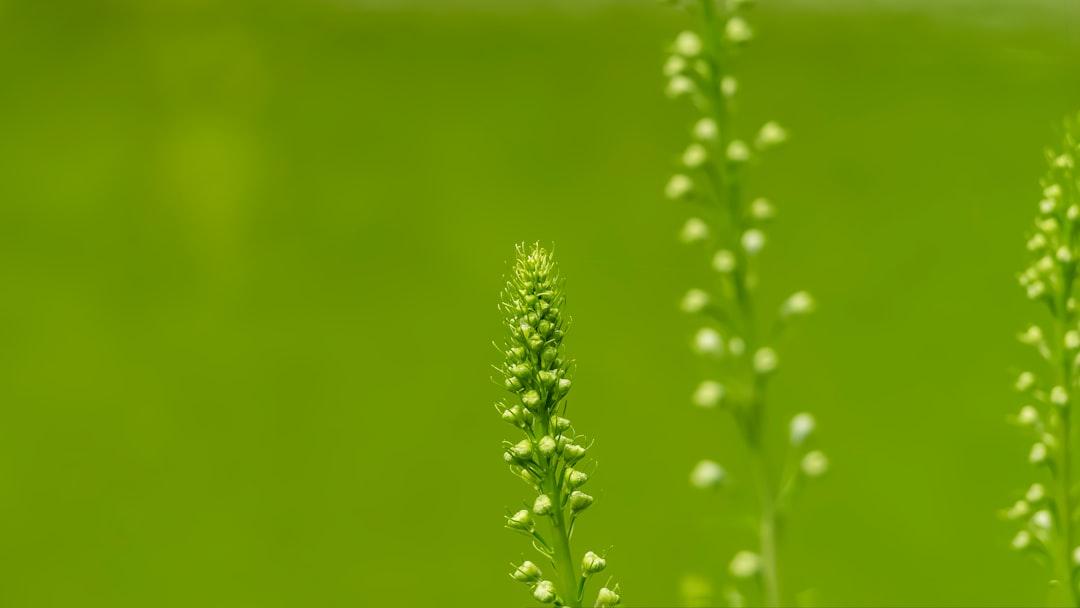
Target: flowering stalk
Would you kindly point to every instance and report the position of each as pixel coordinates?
(1047, 516)
(549, 457)
(736, 338)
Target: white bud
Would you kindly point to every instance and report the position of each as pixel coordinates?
(1049, 225)
(694, 301)
(708, 394)
(1052, 191)
(527, 572)
(1064, 254)
(1022, 540)
(695, 156)
(729, 86)
(761, 209)
(1025, 381)
(542, 505)
(1033, 335)
(1036, 290)
(707, 341)
(592, 563)
(1037, 455)
(522, 449)
(798, 303)
(680, 85)
(695, 229)
(1072, 339)
(724, 261)
(1064, 161)
(707, 474)
(674, 66)
(765, 360)
(802, 425)
(1045, 264)
(771, 134)
(1076, 556)
(1036, 242)
(679, 187)
(745, 564)
(1035, 493)
(546, 445)
(688, 44)
(521, 520)
(753, 240)
(1020, 508)
(1042, 519)
(564, 385)
(814, 464)
(1072, 213)
(738, 152)
(1059, 396)
(737, 30)
(606, 598)
(1028, 415)
(544, 592)
(1047, 205)
(706, 129)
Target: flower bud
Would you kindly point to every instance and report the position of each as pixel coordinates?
(738, 152)
(1025, 381)
(707, 341)
(575, 478)
(752, 241)
(1028, 415)
(695, 229)
(547, 377)
(521, 520)
(674, 66)
(520, 370)
(542, 505)
(688, 44)
(544, 592)
(563, 386)
(522, 449)
(745, 564)
(729, 86)
(1059, 396)
(761, 209)
(695, 156)
(765, 360)
(1042, 519)
(706, 130)
(1035, 493)
(560, 424)
(798, 303)
(679, 187)
(1038, 453)
(546, 445)
(724, 261)
(770, 136)
(737, 31)
(707, 474)
(579, 501)
(527, 572)
(1020, 508)
(606, 598)
(814, 464)
(694, 301)
(573, 452)
(513, 384)
(737, 346)
(679, 86)
(708, 394)
(592, 563)
(1021, 541)
(531, 399)
(1072, 339)
(1036, 242)
(802, 425)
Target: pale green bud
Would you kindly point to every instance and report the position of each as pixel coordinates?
(521, 520)
(520, 370)
(513, 415)
(679, 187)
(770, 136)
(544, 592)
(695, 156)
(592, 563)
(579, 501)
(527, 572)
(522, 449)
(548, 377)
(745, 564)
(706, 130)
(606, 598)
(573, 452)
(560, 424)
(576, 478)
(738, 152)
(564, 386)
(737, 31)
(765, 360)
(814, 464)
(546, 446)
(688, 44)
(531, 399)
(542, 505)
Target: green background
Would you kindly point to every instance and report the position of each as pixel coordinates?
(251, 251)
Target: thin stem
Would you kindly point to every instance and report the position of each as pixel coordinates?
(564, 561)
(1064, 432)
(767, 528)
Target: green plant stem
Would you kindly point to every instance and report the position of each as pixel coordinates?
(1064, 477)
(770, 581)
(564, 561)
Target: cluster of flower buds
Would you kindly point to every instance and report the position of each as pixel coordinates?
(548, 453)
(732, 336)
(1045, 514)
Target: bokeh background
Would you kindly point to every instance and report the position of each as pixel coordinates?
(250, 255)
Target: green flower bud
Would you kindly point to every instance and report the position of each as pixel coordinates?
(548, 377)
(531, 399)
(513, 415)
(542, 505)
(575, 478)
(522, 449)
(573, 452)
(546, 445)
(560, 424)
(579, 501)
(550, 354)
(513, 384)
(607, 598)
(521, 520)
(545, 327)
(564, 386)
(592, 563)
(527, 572)
(544, 592)
(520, 370)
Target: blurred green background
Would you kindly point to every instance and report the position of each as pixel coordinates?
(251, 251)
